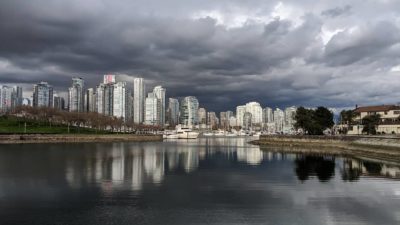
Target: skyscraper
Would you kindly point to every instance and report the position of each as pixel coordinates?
(138, 100)
(268, 116)
(202, 114)
(173, 111)
(100, 98)
(42, 95)
(256, 112)
(90, 100)
(6, 98)
(119, 100)
(76, 95)
(159, 92)
(188, 111)
(153, 110)
(58, 102)
(17, 96)
(240, 110)
(290, 112)
(279, 118)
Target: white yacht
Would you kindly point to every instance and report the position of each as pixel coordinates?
(208, 134)
(219, 133)
(186, 133)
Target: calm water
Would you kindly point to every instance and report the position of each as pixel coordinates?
(204, 181)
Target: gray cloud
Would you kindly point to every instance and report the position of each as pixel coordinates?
(226, 53)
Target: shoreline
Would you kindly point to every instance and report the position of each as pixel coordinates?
(76, 138)
(373, 147)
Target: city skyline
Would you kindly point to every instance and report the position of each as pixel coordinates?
(278, 53)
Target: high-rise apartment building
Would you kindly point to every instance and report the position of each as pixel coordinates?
(6, 98)
(90, 100)
(173, 111)
(189, 111)
(279, 119)
(76, 95)
(138, 100)
(268, 115)
(240, 110)
(17, 96)
(202, 115)
(256, 112)
(42, 95)
(119, 100)
(58, 102)
(152, 110)
(159, 92)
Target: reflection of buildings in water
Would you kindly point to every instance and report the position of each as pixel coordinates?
(250, 156)
(354, 168)
(137, 173)
(154, 164)
(190, 160)
(117, 162)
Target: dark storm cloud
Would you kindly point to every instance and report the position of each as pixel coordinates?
(225, 53)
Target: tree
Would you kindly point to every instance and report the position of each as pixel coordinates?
(370, 122)
(347, 116)
(313, 122)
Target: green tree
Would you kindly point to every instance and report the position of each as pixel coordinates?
(347, 116)
(370, 122)
(313, 122)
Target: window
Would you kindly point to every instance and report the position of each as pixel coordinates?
(396, 112)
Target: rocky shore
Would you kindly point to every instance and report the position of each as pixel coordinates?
(377, 147)
(76, 138)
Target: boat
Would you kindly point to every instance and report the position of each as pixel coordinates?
(231, 135)
(220, 133)
(187, 133)
(170, 136)
(208, 134)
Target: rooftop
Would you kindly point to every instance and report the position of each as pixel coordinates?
(378, 108)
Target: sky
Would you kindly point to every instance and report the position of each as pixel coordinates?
(280, 53)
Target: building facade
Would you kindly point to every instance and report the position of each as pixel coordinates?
(189, 111)
(138, 100)
(42, 95)
(76, 95)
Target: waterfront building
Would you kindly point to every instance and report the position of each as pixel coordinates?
(138, 100)
(173, 111)
(17, 96)
(152, 110)
(119, 100)
(109, 79)
(6, 98)
(240, 110)
(279, 119)
(290, 112)
(232, 121)
(212, 120)
(76, 95)
(159, 92)
(388, 124)
(268, 115)
(189, 111)
(58, 102)
(100, 98)
(108, 103)
(90, 100)
(247, 121)
(256, 112)
(42, 95)
(202, 114)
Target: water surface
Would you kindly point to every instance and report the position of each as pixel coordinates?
(204, 181)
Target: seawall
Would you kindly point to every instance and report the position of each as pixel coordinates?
(379, 147)
(76, 138)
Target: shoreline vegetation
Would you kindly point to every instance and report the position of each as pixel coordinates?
(76, 138)
(386, 148)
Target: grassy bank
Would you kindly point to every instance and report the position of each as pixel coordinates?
(76, 138)
(385, 148)
(14, 125)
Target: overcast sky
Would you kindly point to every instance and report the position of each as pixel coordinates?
(280, 53)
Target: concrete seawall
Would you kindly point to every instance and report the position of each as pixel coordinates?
(70, 138)
(379, 147)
